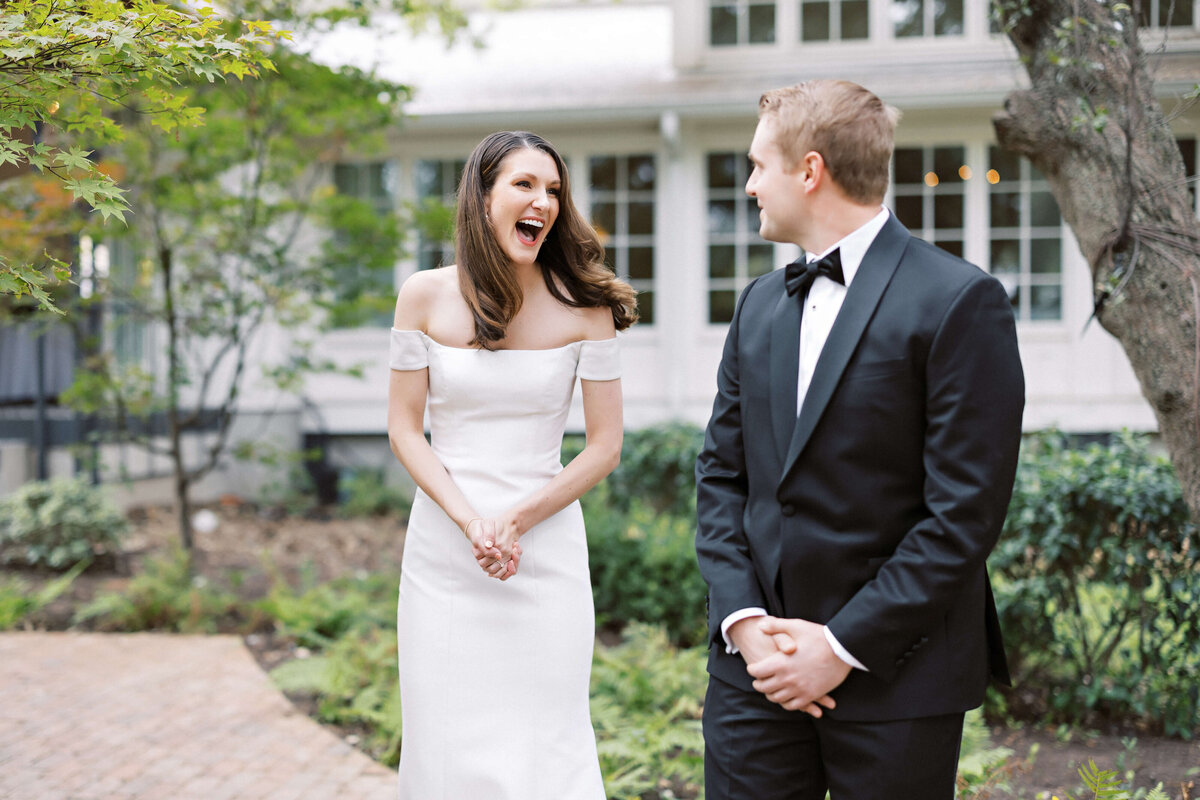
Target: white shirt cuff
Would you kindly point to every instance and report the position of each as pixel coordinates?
(738, 616)
(842, 652)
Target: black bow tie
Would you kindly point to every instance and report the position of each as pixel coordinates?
(800, 275)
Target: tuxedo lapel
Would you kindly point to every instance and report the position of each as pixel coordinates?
(876, 271)
(784, 365)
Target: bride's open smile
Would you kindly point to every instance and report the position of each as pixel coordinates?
(523, 203)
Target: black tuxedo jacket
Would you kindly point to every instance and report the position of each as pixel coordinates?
(873, 510)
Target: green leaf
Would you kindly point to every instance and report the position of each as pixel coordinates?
(74, 158)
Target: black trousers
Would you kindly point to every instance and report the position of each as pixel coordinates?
(756, 750)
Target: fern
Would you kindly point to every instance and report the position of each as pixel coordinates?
(1105, 784)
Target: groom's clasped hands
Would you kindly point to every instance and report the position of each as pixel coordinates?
(791, 662)
(495, 547)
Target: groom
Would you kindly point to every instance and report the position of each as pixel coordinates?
(855, 474)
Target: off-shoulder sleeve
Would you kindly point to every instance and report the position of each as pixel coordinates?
(408, 350)
(599, 360)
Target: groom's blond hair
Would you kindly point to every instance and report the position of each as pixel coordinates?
(850, 127)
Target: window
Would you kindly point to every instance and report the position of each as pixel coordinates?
(930, 187)
(369, 181)
(927, 18)
(735, 252)
(1187, 149)
(130, 331)
(622, 207)
(437, 186)
(740, 22)
(1167, 14)
(363, 248)
(833, 20)
(1025, 236)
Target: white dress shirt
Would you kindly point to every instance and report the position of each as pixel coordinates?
(821, 308)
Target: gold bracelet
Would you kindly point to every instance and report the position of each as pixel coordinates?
(467, 527)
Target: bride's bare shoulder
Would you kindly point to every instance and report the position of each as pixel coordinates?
(421, 294)
(598, 323)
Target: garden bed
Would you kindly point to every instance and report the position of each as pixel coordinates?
(248, 550)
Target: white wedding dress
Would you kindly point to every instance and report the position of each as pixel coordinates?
(494, 675)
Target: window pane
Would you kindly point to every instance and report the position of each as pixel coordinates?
(1045, 302)
(1013, 287)
(762, 24)
(720, 260)
(720, 305)
(641, 263)
(604, 173)
(1045, 256)
(610, 259)
(1005, 209)
(814, 22)
(908, 165)
(908, 18)
(429, 178)
(377, 184)
(604, 220)
(751, 215)
(947, 17)
(641, 219)
(430, 259)
(645, 302)
(1006, 257)
(720, 216)
(948, 211)
(909, 211)
(1043, 211)
(1187, 149)
(1171, 13)
(855, 19)
(1007, 164)
(954, 247)
(760, 259)
(946, 162)
(723, 22)
(722, 171)
(345, 178)
(641, 173)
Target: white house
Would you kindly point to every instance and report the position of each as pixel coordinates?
(653, 105)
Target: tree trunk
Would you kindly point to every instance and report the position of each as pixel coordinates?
(175, 432)
(1090, 122)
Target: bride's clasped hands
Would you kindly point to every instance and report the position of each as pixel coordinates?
(495, 546)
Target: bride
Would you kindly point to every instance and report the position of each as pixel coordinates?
(496, 624)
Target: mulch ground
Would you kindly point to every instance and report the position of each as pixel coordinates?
(255, 545)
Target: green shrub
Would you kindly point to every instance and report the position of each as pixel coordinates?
(318, 615)
(17, 601)
(355, 685)
(646, 701)
(643, 566)
(1097, 578)
(658, 467)
(164, 596)
(365, 493)
(58, 523)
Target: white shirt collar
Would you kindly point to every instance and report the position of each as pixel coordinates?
(855, 245)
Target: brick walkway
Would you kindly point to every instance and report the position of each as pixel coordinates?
(161, 717)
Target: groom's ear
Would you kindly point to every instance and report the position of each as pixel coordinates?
(811, 171)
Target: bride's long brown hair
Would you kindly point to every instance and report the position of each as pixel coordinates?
(571, 257)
